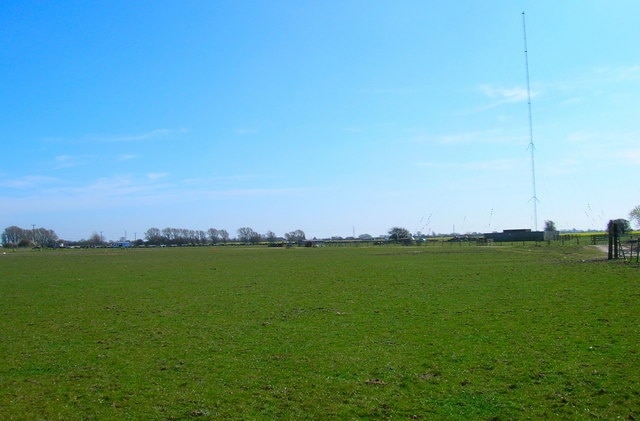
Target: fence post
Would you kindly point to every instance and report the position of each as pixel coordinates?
(610, 232)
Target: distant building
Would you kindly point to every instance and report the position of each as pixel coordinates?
(515, 235)
(121, 244)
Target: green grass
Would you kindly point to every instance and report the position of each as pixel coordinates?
(447, 332)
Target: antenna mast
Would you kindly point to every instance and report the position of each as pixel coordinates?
(534, 199)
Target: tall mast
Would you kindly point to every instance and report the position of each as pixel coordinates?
(534, 198)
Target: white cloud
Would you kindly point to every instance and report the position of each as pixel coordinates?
(481, 136)
(607, 139)
(594, 83)
(245, 131)
(388, 91)
(126, 157)
(564, 167)
(580, 137)
(102, 193)
(151, 135)
(156, 134)
(497, 96)
(28, 182)
(70, 161)
(208, 181)
(63, 158)
(572, 101)
(101, 190)
(123, 190)
(489, 165)
(618, 73)
(156, 176)
(631, 156)
(501, 95)
(489, 136)
(258, 192)
(105, 187)
(64, 161)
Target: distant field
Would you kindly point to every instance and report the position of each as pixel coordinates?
(453, 332)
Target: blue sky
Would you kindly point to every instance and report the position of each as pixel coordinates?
(334, 117)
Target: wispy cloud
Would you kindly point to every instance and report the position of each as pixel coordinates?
(604, 149)
(564, 167)
(388, 91)
(489, 165)
(126, 157)
(631, 156)
(152, 135)
(572, 101)
(500, 95)
(245, 131)
(618, 73)
(124, 190)
(607, 139)
(156, 134)
(64, 161)
(259, 192)
(28, 182)
(156, 175)
(488, 136)
(221, 180)
(120, 185)
(598, 81)
(605, 80)
(97, 194)
(70, 161)
(580, 137)
(480, 136)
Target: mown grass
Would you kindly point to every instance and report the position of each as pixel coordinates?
(518, 332)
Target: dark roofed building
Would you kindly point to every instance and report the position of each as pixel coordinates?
(515, 235)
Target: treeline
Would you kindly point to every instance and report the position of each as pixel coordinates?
(181, 236)
(41, 237)
(14, 236)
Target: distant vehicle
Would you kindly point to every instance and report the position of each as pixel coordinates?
(121, 244)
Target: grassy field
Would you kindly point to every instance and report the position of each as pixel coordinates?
(451, 332)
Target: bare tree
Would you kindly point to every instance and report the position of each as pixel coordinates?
(12, 235)
(214, 235)
(295, 236)
(634, 216)
(168, 234)
(153, 236)
(42, 237)
(248, 235)
(202, 236)
(48, 237)
(270, 236)
(95, 240)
